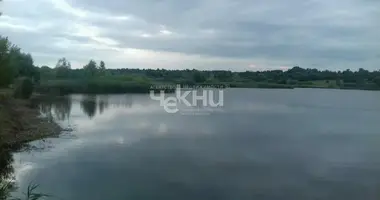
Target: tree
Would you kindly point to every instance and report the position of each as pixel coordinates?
(23, 64)
(102, 68)
(102, 65)
(6, 72)
(62, 68)
(91, 68)
(14, 63)
(23, 88)
(198, 77)
(377, 81)
(47, 73)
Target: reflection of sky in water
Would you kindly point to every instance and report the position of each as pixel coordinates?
(264, 141)
(123, 122)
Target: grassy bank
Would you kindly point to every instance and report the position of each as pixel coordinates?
(259, 85)
(20, 122)
(63, 87)
(120, 86)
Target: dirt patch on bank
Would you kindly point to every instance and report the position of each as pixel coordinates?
(20, 122)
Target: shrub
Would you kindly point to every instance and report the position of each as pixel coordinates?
(23, 88)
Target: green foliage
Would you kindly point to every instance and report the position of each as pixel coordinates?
(6, 187)
(47, 73)
(32, 194)
(91, 68)
(102, 65)
(338, 83)
(90, 79)
(23, 88)
(199, 77)
(22, 64)
(62, 68)
(95, 86)
(6, 169)
(376, 80)
(102, 68)
(93, 78)
(14, 63)
(292, 82)
(6, 72)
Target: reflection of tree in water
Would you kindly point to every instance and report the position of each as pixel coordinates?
(6, 173)
(88, 105)
(61, 107)
(125, 101)
(46, 109)
(128, 102)
(103, 104)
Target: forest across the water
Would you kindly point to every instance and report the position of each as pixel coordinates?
(99, 78)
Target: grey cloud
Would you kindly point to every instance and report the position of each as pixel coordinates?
(329, 34)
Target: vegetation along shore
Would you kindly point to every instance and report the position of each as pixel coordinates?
(63, 78)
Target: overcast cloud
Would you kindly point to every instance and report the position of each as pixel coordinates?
(202, 34)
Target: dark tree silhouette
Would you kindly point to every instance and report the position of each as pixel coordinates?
(88, 105)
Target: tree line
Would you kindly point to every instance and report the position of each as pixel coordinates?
(94, 76)
(296, 76)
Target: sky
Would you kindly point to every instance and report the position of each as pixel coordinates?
(236, 35)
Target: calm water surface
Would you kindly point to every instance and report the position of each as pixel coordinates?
(264, 144)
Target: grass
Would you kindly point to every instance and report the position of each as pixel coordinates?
(259, 85)
(32, 194)
(101, 86)
(6, 187)
(19, 123)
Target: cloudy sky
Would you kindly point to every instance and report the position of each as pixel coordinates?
(202, 34)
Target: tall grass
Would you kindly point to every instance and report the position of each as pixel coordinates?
(63, 87)
(31, 193)
(118, 85)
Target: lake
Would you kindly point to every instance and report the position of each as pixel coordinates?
(262, 144)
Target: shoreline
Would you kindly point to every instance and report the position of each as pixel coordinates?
(21, 122)
(60, 89)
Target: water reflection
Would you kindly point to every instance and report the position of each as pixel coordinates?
(91, 105)
(103, 104)
(88, 105)
(263, 151)
(59, 107)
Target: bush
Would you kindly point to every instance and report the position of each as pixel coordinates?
(23, 88)
(292, 82)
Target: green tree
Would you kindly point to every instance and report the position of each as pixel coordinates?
(102, 68)
(91, 68)
(47, 72)
(338, 82)
(23, 64)
(62, 68)
(6, 72)
(23, 88)
(376, 80)
(198, 77)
